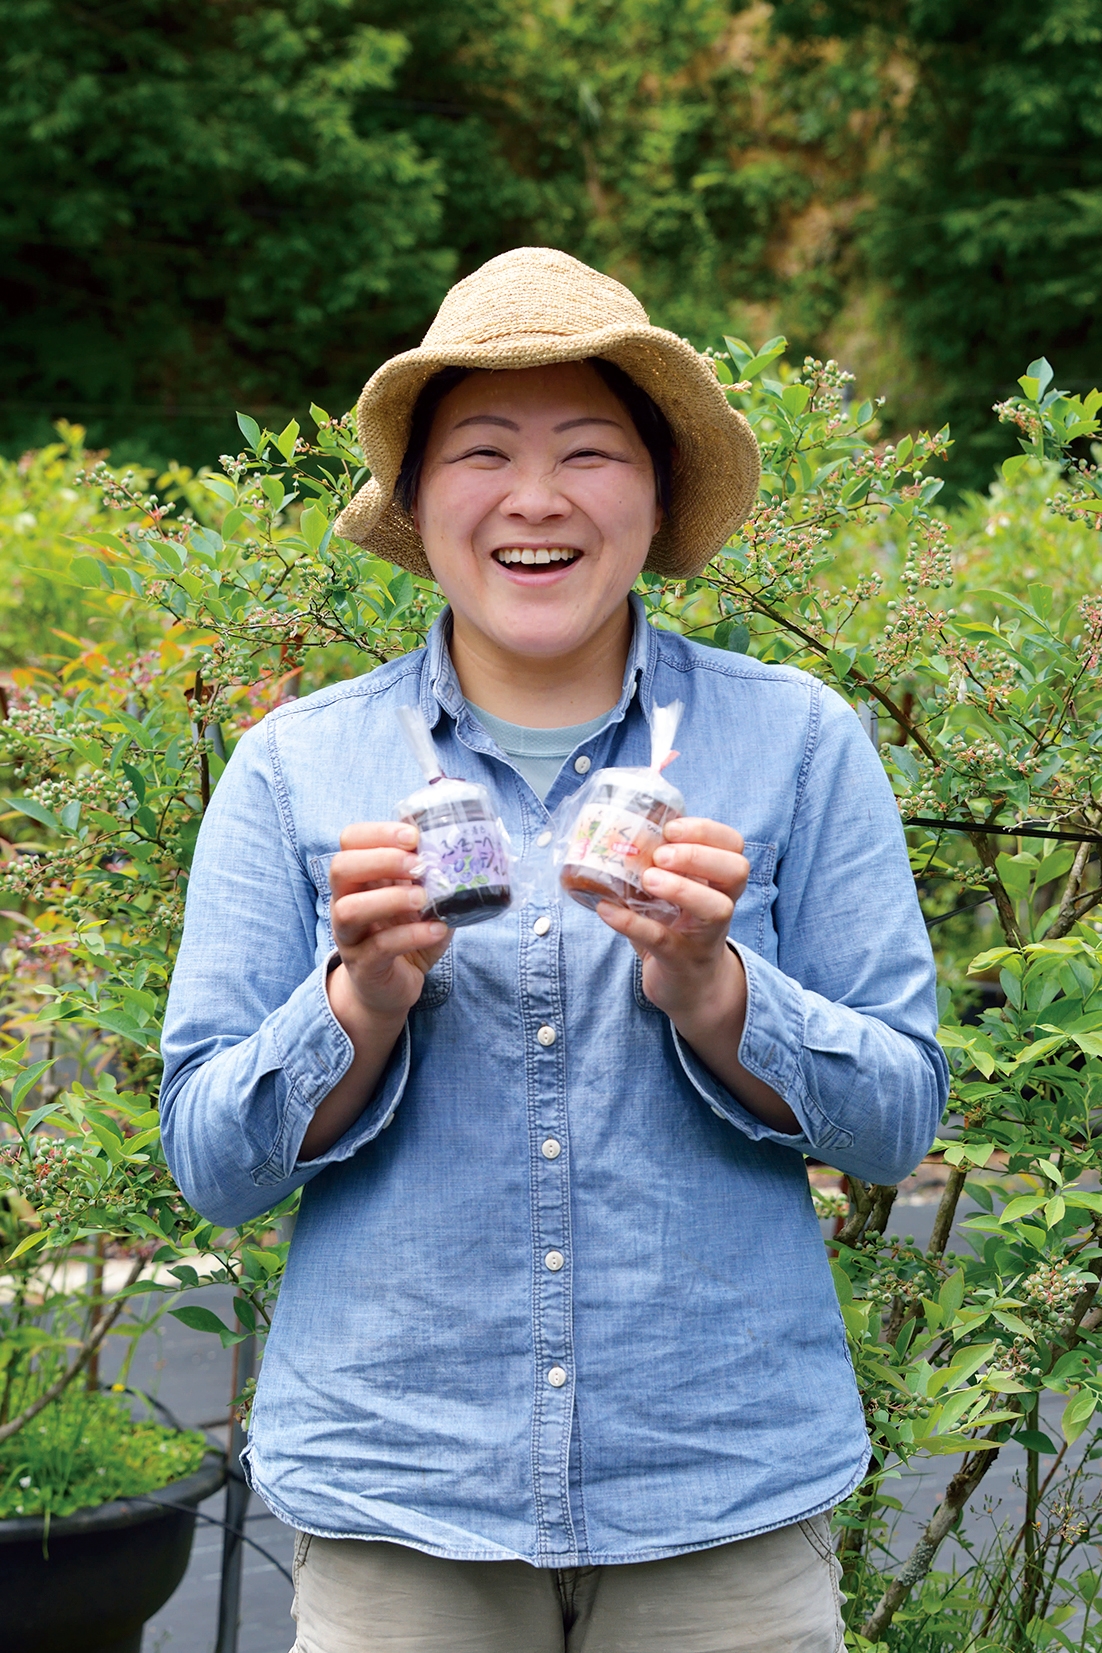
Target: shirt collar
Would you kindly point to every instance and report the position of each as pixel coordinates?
(440, 691)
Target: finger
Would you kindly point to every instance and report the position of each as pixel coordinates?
(428, 938)
(697, 901)
(697, 829)
(379, 835)
(356, 916)
(353, 869)
(724, 868)
(645, 934)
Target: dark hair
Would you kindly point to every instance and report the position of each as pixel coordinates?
(647, 417)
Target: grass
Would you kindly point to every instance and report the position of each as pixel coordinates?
(85, 1450)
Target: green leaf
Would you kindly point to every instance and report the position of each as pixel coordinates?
(1016, 873)
(842, 1283)
(287, 438)
(250, 430)
(1034, 1441)
(951, 1295)
(796, 398)
(29, 1244)
(245, 1313)
(274, 492)
(198, 1319)
(1041, 372)
(733, 635)
(27, 1081)
(27, 806)
(313, 524)
(70, 815)
(981, 1194)
(318, 415)
(942, 1445)
(1077, 1414)
(907, 764)
(1082, 1201)
(1013, 465)
(1042, 599)
(136, 779)
(1023, 1206)
(768, 353)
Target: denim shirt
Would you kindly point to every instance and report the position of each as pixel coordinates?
(556, 1295)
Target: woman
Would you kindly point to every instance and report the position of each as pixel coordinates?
(558, 1336)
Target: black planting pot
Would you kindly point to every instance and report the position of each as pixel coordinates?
(105, 1570)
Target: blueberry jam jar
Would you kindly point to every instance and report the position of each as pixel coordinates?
(462, 854)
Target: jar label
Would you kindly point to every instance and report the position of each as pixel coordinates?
(462, 855)
(611, 840)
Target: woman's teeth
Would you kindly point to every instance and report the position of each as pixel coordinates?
(527, 555)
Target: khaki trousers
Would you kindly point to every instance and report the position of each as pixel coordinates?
(773, 1594)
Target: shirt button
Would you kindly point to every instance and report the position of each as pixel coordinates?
(543, 840)
(583, 764)
(556, 1377)
(541, 926)
(546, 1035)
(554, 1261)
(551, 1149)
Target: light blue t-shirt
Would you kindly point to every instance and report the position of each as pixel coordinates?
(539, 754)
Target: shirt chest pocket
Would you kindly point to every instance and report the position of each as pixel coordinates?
(438, 982)
(753, 917)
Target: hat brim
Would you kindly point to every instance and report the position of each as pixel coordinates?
(716, 468)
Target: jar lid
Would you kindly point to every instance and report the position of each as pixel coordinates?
(443, 792)
(642, 783)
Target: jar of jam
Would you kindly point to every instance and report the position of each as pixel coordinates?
(463, 858)
(611, 840)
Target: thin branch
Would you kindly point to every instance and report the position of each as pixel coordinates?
(871, 1204)
(1003, 904)
(946, 1211)
(1065, 916)
(87, 1349)
(941, 1523)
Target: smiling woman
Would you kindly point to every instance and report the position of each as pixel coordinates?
(594, 1122)
(537, 506)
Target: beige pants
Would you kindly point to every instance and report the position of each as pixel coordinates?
(773, 1594)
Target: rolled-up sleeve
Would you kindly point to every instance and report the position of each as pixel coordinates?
(843, 1026)
(251, 1045)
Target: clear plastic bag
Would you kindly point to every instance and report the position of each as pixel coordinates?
(607, 833)
(464, 860)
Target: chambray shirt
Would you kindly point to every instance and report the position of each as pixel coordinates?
(556, 1294)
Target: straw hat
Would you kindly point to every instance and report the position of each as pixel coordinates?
(529, 308)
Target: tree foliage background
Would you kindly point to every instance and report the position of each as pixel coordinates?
(233, 203)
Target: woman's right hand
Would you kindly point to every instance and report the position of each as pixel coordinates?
(386, 948)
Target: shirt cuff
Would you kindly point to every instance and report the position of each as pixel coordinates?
(772, 1049)
(315, 1053)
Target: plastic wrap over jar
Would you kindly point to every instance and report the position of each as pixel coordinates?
(463, 852)
(609, 835)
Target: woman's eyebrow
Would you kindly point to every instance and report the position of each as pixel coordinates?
(590, 419)
(487, 419)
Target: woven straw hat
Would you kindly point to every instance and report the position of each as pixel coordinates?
(529, 308)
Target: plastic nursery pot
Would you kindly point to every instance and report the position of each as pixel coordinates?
(105, 1571)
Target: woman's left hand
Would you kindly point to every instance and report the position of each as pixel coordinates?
(688, 969)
